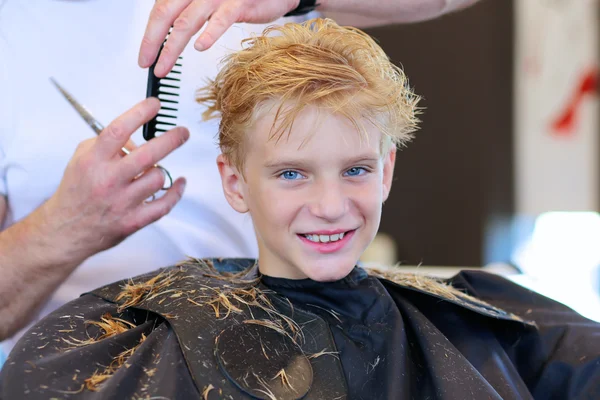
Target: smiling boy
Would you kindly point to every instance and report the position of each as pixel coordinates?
(309, 123)
(310, 118)
(315, 197)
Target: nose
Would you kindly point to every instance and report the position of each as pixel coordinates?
(330, 201)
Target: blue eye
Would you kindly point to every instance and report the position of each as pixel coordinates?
(291, 175)
(356, 171)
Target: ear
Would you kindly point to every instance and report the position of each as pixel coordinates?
(389, 161)
(232, 182)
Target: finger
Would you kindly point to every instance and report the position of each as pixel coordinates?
(154, 210)
(219, 22)
(160, 21)
(117, 133)
(145, 186)
(130, 145)
(151, 153)
(185, 26)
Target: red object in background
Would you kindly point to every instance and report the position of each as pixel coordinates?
(565, 124)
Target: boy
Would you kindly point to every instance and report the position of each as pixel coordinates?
(310, 118)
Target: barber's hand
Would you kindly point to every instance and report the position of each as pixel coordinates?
(101, 198)
(187, 18)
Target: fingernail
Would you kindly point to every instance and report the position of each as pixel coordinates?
(182, 188)
(198, 46)
(143, 61)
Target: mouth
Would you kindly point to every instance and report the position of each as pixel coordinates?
(327, 242)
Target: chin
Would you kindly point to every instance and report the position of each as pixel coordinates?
(327, 272)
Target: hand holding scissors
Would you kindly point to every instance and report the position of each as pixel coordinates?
(102, 196)
(98, 128)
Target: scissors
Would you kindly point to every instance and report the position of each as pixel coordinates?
(97, 127)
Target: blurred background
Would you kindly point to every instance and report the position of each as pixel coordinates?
(505, 170)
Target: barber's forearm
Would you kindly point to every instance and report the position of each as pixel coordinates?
(31, 268)
(393, 11)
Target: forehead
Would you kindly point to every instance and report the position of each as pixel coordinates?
(314, 132)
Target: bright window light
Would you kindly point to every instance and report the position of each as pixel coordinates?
(561, 260)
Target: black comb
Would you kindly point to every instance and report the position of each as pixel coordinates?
(167, 91)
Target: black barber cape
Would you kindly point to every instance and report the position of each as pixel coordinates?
(188, 332)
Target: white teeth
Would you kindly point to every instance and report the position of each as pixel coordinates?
(325, 238)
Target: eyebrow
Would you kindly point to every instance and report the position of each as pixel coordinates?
(301, 164)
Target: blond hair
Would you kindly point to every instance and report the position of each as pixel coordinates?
(339, 69)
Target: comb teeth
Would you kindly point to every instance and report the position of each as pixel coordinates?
(167, 90)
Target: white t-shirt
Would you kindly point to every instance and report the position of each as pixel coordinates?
(91, 48)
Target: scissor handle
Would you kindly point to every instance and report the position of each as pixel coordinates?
(167, 175)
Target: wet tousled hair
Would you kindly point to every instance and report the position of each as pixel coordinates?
(338, 69)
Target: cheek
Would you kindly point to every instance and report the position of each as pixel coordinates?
(371, 209)
(276, 206)
(369, 198)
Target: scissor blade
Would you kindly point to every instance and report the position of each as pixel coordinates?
(81, 110)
